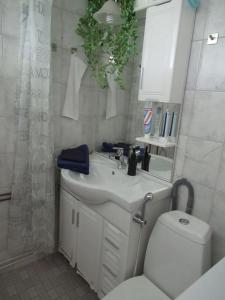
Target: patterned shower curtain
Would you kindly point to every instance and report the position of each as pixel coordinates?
(32, 209)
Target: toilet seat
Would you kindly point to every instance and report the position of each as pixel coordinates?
(137, 288)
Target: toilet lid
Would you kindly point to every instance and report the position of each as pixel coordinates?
(137, 288)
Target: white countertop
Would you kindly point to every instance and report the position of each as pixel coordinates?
(210, 286)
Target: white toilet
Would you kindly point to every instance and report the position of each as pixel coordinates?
(178, 253)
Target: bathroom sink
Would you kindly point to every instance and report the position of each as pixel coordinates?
(108, 183)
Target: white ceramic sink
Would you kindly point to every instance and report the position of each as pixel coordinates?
(108, 183)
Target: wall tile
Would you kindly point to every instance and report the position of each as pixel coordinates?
(218, 213)
(75, 6)
(215, 20)
(57, 65)
(10, 22)
(202, 202)
(70, 37)
(71, 133)
(221, 176)
(194, 65)
(57, 3)
(202, 161)
(212, 72)
(10, 56)
(180, 157)
(218, 248)
(208, 116)
(1, 53)
(200, 21)
(187, 112)
(57, 95)
(56, 33)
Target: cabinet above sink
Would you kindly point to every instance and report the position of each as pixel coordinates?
(166, 51)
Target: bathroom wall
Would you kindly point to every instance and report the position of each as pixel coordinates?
(9, 38)
(201, 151)
(92, 127)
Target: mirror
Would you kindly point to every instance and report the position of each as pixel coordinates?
(162, 159)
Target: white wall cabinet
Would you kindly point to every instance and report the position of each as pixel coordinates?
(166, 50)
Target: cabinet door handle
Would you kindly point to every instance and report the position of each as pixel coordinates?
(109, 270)
(142, 76)
(78, 219)
(73, 216)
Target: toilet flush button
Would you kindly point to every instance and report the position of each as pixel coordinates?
(184, 221)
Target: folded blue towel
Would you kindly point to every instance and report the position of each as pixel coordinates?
(78, 154)
(76, 159)
(74, 166)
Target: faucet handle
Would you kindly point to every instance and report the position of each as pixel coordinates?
(135, 148)
(119, 150)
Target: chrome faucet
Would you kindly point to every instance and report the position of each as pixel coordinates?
(119, 155)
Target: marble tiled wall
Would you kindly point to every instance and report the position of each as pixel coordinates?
(92, 127)
(201, 152)
(9, 40)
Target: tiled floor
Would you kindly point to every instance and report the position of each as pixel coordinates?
(48, 279)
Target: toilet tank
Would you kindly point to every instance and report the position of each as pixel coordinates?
(178, 253)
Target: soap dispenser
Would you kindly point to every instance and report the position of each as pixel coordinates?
(146, 160)
(132, 163)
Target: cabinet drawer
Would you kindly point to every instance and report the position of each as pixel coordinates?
(107, 283)
(113, 237)
(114, 258)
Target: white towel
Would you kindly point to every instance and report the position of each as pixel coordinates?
(111, 106)
(72, 102)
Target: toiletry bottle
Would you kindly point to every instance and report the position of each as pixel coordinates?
(147, 121)
(157, 121)
(146, 160)
(132, 164)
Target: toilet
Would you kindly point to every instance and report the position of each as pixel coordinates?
(178, 253)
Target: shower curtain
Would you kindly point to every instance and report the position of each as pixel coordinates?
(32, 209)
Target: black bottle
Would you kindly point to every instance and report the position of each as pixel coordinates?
(132, 164)
(146, 160)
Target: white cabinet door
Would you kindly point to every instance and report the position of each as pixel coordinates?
(68, 231)
(89, 244)
(166, 49)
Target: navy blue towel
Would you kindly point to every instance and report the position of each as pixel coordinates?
(76, 159)
(78, 154)
(74, 166)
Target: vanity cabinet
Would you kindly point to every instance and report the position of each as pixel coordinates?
(68, 228)
(166, 50)
(102, 241)
(90, 226)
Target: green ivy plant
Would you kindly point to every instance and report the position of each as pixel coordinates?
(108, 49)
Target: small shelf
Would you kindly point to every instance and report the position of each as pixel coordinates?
(159, 142)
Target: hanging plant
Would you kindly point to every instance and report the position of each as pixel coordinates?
(108, 48)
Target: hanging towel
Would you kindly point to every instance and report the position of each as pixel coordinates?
(72, 101)
(111, 106)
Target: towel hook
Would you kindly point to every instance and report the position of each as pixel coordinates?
(73, 50)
